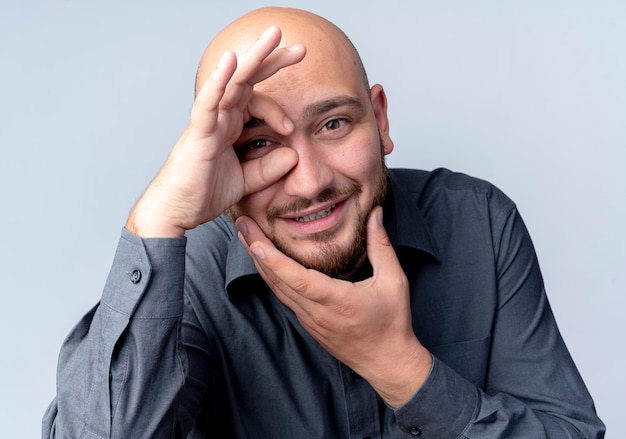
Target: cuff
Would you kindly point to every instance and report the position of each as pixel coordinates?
(442, 407)
(146, 278)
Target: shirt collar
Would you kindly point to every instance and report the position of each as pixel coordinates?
(403, 220)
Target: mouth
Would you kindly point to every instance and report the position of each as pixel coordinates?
(322, 218)
(315, 216)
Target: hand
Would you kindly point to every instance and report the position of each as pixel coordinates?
(202, 176)
(366, 325)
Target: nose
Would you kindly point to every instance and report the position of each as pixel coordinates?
(312, 174)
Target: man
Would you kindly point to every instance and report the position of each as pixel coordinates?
(257, 290)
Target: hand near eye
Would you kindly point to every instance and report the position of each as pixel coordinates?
(202, 176)
(366, 325)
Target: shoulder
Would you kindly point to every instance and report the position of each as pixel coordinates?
(421, 181)
(446, 189)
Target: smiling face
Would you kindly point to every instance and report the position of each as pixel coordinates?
(317, 212)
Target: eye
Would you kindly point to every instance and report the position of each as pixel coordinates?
(335, 128)
(253, 148)
(256, 144)
(334, 124)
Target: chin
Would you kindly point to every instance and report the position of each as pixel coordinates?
(339, 260)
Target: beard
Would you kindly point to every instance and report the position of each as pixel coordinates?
(330, 256)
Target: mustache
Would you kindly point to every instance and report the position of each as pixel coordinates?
(328, 194)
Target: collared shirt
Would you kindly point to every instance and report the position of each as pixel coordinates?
(188, 338)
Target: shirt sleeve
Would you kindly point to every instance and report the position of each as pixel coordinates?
(126, 350)
(532, 387)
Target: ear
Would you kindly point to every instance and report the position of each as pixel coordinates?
(379, 104)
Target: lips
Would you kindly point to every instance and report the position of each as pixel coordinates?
(324, 218)
(315, 216)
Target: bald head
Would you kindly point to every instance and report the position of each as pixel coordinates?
(325, 42)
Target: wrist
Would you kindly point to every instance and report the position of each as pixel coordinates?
(403, 375)
(146, 224)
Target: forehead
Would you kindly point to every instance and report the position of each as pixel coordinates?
(330, 60)
(316, 79)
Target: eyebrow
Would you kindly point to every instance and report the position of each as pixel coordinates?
(316, 108)
(321, 107)
(253, 123)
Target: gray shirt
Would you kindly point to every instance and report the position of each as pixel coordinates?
(188, 338)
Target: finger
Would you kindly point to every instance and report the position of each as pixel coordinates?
(248, 63)
(205, 109)
(248, 229)
(259, 62)
(264, 171)
(264, 108)
(253, 57)
(283, 273)
(278, 59)
(380, 252)
(263, 58)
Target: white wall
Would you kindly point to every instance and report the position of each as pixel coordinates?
(93, 94)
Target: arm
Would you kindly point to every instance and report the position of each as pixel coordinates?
(366, 325)
(202, 177)
(532, 386)
(103, 370)
(122, 368)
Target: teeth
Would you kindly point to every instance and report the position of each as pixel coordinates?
(315, 216)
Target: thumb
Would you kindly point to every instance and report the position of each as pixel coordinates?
(268, 169)
(380, 252)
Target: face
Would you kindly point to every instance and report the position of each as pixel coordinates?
(317, 212)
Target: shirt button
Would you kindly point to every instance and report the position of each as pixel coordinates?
(135, 276)
(415, 431)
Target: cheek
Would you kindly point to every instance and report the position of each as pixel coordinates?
(362, 161)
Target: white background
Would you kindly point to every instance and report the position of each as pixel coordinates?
(529, 95)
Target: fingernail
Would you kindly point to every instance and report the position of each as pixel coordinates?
(379, 216)
(267, 32)
(288, 124)
(222, 61)
(258, 252)
(243, 228)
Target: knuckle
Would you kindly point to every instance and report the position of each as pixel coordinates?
(397, 282)
(383, 240)
(320, 321)
(272, 279)
(345, 310)
(401, 281)
(301, 286)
